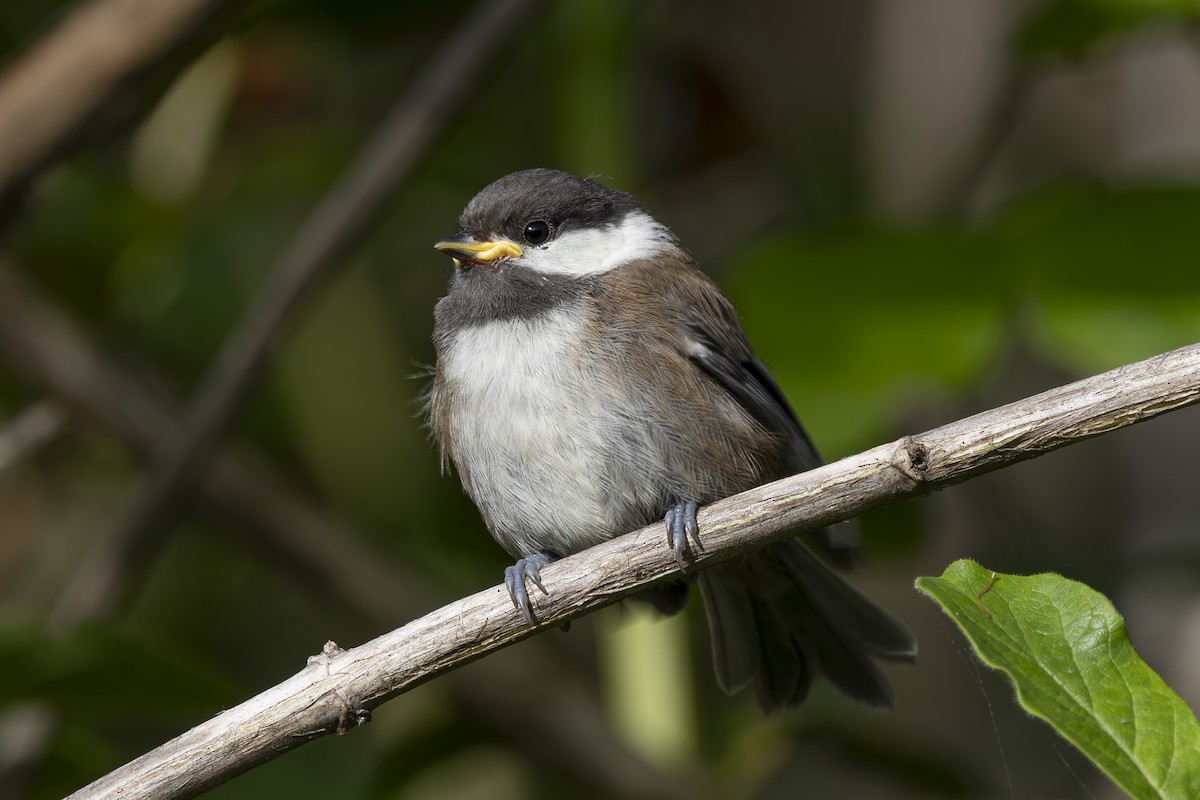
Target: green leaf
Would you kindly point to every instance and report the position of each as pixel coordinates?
(1066, 650)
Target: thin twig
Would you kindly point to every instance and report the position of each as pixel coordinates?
(551, 718)
(1002, 120)
(30, 431)
(347, 685)
(74, 69)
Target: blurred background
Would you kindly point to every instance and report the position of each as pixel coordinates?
(922, 209)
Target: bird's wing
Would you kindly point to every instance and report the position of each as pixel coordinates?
(729, 359)
(718, 345)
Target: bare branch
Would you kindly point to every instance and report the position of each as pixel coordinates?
(556, 718)
(338, 689)
(394, 150)
(56, 85)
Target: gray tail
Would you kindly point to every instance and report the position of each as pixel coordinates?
(781, 617)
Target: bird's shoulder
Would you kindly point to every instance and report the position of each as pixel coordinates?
(674, 294)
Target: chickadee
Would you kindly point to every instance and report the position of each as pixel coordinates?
(590, 380)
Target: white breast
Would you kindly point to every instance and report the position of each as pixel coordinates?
(530, 424)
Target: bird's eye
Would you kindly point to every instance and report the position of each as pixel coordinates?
(537, 232)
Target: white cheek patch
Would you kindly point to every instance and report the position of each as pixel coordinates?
(591, 251)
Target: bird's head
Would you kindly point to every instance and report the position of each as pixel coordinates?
(554, 223)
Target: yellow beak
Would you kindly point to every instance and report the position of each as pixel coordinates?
(465, 248)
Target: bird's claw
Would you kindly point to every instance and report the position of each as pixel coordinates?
(527, 568)
(681, 526)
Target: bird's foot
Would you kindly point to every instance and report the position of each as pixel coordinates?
(527, 568)
(681, 526)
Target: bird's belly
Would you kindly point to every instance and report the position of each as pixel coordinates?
(532, 429)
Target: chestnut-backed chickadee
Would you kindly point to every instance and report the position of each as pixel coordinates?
(590, 380)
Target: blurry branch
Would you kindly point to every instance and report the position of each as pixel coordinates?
(1002, 120)
(29, 432)
(395, 149)
(555, 718)
(73, 70)
(339, 688)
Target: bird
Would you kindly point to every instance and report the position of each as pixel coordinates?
(591, 380)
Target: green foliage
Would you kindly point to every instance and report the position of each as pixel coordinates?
(100, 671)
(1068, 654)
(933, 291)
(1104, 276)
(1070, 27)
(97, 685)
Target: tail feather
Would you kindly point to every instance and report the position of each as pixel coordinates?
(845, 606)
(786, 674)
(781, 617)
(731, 619)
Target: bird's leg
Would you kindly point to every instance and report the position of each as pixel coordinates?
(681, 526)
(527, 568)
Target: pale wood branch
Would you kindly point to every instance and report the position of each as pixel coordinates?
(338, 689)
